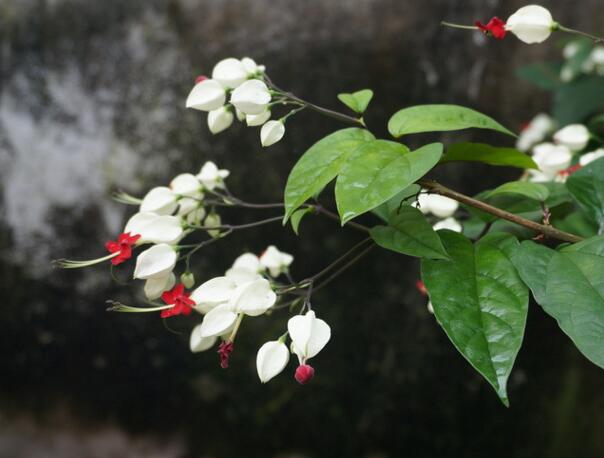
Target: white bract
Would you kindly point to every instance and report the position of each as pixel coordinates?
(590, 157)
(186, 184)
(160, 200)
(277, 262)
(258, 119)
(272, 358)
(271, 133)
(220, 119)
(574, 136)
(448, 223)
(155, 262)
(440, 206)
(252, 97)
(213, 293)
(207, 95)
(211, 176)
(309, 335)
(246, 268)
(154, 287)
(230, 72)
(536, 131)
(531, 24)
(155, 228)
(251, 67)
(551, 160)
(198, 343)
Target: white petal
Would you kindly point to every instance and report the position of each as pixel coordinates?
(230, 72)
(271, 133)
(138, 222)
(448, 223)
(253, 298)
(220, 119)
(213, 293)
(160, 200)
(250, 66)
(271, 360)
(186, 184)
(248, 261)
(258, 119)
(210, 176)
(441, 206)
(155, 262)
(241, 276)
(217, 321)
(276, 261)
(252, 97)
(198, 343)
(555, 161)
(206, 96)
(308, 333)
(163, 229)
(574, 136)
(531, 24)
(590, 157)
(154, 287)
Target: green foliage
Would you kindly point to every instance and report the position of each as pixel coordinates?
(410, 233)
(480, 152)
(377, 171)
(568, 285)
(440, 118)
(385, 210)
(320, 164)
(587, 188)
(534, 191)
(357, 101)
(575, 101)
(296, 218)
(481, 302)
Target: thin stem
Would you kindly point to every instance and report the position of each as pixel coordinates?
(578, 32)
(234, 227)
(549, 231)
(459, 26)
(346, 266)
(320, 209)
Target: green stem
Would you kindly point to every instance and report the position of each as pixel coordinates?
(578, 32)
(459, 26)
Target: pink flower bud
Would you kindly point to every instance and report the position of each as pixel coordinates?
(304, 374)
(200, 78)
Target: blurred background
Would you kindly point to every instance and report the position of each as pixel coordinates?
(92, 100)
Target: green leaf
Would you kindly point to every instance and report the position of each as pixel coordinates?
(410, 233)
(296, 218)
(439, 118)
(575, 101)
(586, 186)
(385, 210)
(481, 303)
(533, 191)
(568, 285)
(379, 170)
(357, 101)
(319, 165)
(543, 75)
(480, 152)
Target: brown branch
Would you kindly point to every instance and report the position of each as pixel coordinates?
(549, 231)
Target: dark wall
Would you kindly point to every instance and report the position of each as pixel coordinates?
(92, 99)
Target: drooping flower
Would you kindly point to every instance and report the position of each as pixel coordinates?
(309, 335)
(449, 223)
(271, 133)
(160, 200)
(551, 159)
(155, 262)
(181, 303)
(495, 27)
(211, 176)
(213, 293)
(531, 24)
(123, 245)
(220, 119)
(155, 228)
(534, 132)
(271, 359)
(154, 287)
(252, 97)
(277, 262)
(574, 136)
(206, 95)
(186, 184)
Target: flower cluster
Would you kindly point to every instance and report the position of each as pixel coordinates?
(237, 89)
(581, 58)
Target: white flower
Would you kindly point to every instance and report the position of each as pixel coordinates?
(438, 205)
(198, 343)
(230, 72)
(211, 176)
(253, 299)
(272, 358)
(186, 184)
(248, 261)
(597, 55)
(448, 223)
(571, 49)
(155, 262)
(551, 159)
(213, 293)
(190, 210)
(271, 133)
(309, 335)
(590, 157)
(213, 220)
(531, 24)
(252, 97)
(246, 268)
(535, 132)
(154, 287)
(155, 228)
(258, 119)
(207, 95)
(275, 261)
(574, 136)
(160, 200)
(251, 67)
(220, 119)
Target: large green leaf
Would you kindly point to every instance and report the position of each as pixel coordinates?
(487, 154)
(481, 303)
(586, 186)
(569, 285)
(575, 101)
(410, 233)
(533, 191)
(319, 165)
(440, 118)
(357, 101)
(385, 210)
(379, 170)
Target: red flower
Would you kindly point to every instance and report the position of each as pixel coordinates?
(495, 27)
(304, 374)
(224, 350)
(182, 303)
(124, 245)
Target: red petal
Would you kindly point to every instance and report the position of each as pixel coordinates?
(112, 246)
(178, 290)
(168, 297)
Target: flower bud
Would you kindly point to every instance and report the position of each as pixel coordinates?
(259, 119)
(531, 24)
(213, 220)
(304, 374)
(211, 176)
(220, 119)
(574, 136)
(155, 262)
(187, 279)
(206, 95)
(271, 360)
(271, 133)
(252, 97)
